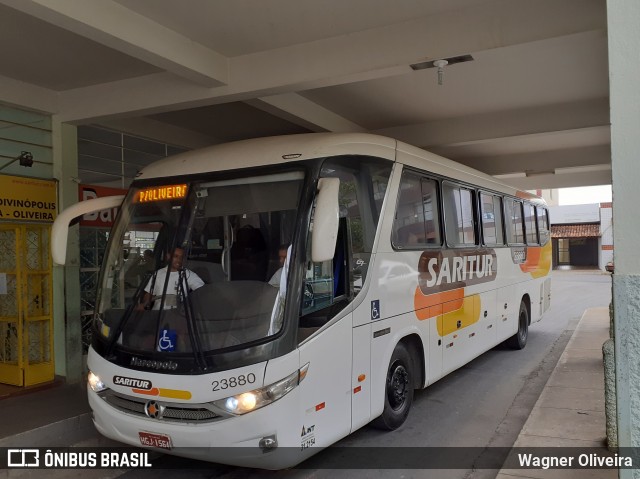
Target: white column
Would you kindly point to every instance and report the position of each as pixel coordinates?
(623, 18)
(66, 279)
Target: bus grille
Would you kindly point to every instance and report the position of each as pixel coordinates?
(172, 412)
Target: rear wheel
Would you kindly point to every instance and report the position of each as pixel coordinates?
(519, 340)
(398, 390)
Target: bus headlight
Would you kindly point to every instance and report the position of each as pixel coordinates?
(252, 400)
(96, 383)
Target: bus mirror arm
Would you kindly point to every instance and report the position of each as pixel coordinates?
(60, 228)
(325, 220)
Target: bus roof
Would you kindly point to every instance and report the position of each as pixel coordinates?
(269, 151)
(282, 149)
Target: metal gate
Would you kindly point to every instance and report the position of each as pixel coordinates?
(26, 326)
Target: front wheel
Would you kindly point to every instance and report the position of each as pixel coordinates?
(519, 340)
(398, 390)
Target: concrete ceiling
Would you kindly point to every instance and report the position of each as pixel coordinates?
(532, 106)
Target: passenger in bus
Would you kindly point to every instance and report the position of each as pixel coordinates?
(155, 286)
(282, 257)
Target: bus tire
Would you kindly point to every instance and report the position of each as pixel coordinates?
(398, 390)
(519, 340)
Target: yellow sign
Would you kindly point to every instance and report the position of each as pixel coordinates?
(27, 199)
(162, 193)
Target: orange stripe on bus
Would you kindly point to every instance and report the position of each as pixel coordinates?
(466, 315)
(424, 305)
(452, 306)
(525, 195)
(544, 265)
(175, 393)
(166, 393)
(148, 392)
(533, 260)
(538, 262)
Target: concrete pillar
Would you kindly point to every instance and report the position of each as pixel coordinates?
(623, 18)
(66, 279)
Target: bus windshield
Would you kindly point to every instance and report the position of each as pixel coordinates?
(198, 266)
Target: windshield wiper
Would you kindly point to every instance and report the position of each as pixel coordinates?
(128, 312)
(196, 346)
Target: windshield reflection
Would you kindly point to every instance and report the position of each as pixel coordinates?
(199, 267)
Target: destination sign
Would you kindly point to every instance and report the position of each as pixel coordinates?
(161, 193)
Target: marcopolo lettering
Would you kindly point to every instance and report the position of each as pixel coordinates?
(453, 269)
(153, 364)
(132, 382)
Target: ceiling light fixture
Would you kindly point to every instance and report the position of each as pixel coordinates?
(440, 64)
(450, 61)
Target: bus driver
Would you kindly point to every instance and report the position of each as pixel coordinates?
(155, 286)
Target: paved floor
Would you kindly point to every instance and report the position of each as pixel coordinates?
(570, 410)
(568, 413)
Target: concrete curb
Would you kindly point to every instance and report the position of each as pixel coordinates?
(58, 434)
(570, 410)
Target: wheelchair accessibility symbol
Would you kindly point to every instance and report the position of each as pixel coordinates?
(167, 341)
(375, 309)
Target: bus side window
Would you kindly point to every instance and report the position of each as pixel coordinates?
(458, 208)
(543, 225)
(514, 218)
(417, 220)
(491, 210)
(530, 223)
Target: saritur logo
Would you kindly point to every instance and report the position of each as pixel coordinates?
(453, 269)
(132, 382)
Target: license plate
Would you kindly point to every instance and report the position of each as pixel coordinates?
(155, 440)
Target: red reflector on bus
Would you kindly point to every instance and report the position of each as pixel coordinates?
(320, 406)
(357, 390)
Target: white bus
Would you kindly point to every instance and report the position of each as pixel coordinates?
(314, 282)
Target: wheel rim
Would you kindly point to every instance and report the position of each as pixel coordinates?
(523, 327)
(397, 386)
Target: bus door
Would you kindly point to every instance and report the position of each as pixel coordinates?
(325, 337)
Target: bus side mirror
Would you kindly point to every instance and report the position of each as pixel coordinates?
(325, 220)
(60, 228)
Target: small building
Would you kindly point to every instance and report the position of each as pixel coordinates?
(582, 235)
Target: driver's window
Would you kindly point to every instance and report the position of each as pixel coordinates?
(318, 292)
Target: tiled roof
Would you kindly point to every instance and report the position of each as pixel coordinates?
(575, 231)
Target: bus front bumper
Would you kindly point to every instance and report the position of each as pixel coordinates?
(263, 438)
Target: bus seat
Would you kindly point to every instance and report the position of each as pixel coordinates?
(207, 271)
(233, 311)
(411, 234)
(249, 255)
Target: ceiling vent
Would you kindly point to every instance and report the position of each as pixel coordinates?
(450, 61)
